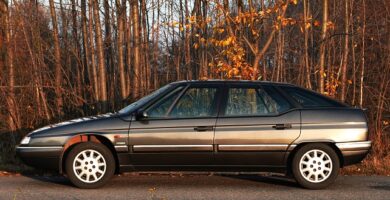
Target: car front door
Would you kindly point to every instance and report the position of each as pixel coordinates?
(179, 129)
(256, 126)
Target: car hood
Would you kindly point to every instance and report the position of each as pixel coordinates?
(81, 125)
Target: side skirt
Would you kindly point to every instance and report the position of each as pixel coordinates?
(204, 168)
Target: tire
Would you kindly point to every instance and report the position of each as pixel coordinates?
(90, 165)
(315, 166)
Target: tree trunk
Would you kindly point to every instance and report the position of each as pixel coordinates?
(57, 60)
(96, 91)
(345, 55)
(136, 40)
(76, 60)
(353, 43)
(86, 53)
(323, 44)
(155, 36)
(100, 51)
(145, 33)
(108, 50)
(13, 114)
(129, 55)
(66, 52)
(187, 49)
(260, 53)
(362, 70)
(121, 14)
(306, 11)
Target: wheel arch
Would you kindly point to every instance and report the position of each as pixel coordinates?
(300, 145)
(86, 137)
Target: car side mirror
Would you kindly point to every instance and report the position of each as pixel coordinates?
(141, 115)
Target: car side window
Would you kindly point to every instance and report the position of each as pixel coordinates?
(281, 103)
(254, 102)
(195, 102)
(161, 107)
(309, 99)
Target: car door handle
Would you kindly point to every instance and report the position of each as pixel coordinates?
(203, 128)
(281, 126)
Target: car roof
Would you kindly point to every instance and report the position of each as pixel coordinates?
(244, 82)
(231, 81)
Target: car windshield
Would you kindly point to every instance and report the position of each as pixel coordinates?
(143, 100)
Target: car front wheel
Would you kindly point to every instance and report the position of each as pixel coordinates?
(90, 165)
(315, 166)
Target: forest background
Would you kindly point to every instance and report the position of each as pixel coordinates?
(65, 59)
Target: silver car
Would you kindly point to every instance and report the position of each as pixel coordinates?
(208, 126)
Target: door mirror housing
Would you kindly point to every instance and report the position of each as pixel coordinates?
(141, 115)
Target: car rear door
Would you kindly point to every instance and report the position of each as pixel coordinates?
(255, 127)
(179, 129)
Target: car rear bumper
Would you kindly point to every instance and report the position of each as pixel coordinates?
(354, 152)
(47, 157)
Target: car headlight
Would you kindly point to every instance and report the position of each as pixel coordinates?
(25, 140)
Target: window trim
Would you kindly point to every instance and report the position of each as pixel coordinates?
(175, 102)
(157, 98)
(183, 89)
(262, 99)
(260, 116)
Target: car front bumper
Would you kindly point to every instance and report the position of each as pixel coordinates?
(354, 152)
(42, 157)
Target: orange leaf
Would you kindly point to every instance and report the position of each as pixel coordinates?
(316, 23)
(196, 45)
(295, 2)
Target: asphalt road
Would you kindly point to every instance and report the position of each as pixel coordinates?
(154, 186)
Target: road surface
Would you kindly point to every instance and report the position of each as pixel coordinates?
(198, 186)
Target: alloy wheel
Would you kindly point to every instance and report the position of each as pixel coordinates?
(89, 166)
(315, 166)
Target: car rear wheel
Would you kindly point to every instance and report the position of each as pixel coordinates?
(315, 166)
(90, 165)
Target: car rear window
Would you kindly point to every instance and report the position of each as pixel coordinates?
(309, 99)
